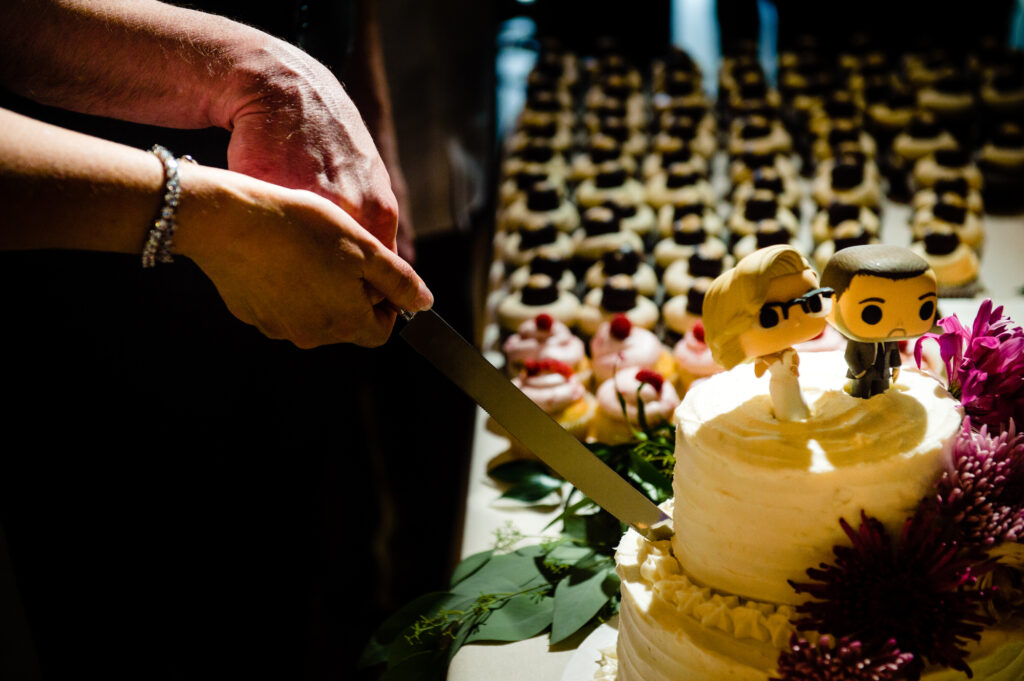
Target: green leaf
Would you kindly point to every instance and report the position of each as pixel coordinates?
(519, 618)
(514, 472)
(569, 554)
(533, 488)
(646, 473)
(470, 565)
(504, 574)
(578, 598)
(393, 627)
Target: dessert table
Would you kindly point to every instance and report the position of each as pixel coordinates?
(1002, 277)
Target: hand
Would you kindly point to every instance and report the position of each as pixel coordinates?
(293, 264)
(299, 129)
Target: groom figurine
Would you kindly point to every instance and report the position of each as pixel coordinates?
(883, 294)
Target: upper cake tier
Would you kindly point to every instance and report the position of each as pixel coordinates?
(757, 501)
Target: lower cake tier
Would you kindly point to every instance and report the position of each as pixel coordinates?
(671, 628)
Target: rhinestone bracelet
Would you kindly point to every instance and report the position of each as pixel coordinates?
(161, 235)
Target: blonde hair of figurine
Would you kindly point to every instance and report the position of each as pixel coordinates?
(733, 302)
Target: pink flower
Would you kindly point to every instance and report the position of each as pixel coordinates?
(842, 660)
(984, 365)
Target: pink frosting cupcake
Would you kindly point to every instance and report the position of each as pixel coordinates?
(553, 387)
(545, 338)
(659, 398)
(618, 344)
(693, 357)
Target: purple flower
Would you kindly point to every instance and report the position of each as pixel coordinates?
(845, 660)
(984, 365)
(982, 495)
(920, 592)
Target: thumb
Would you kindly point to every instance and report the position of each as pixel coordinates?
(396, 281)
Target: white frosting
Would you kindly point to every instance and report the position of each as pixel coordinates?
(742, 477)
(645, 278)
(530, 343)
(658, 404)
(640, 349)
(644, 314)
(552, 391)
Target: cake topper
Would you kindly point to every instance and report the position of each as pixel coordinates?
(883, 294)
(758, 310)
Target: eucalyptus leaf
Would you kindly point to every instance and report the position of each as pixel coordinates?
(433, 631)
(506, 573)
(519, 618)
(514, 472)
(569, 554)
(578, 600)
(533, 487)
(470, 565)
(650, 475)
(392, 628)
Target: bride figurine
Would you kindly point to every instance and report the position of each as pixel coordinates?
(758, 310)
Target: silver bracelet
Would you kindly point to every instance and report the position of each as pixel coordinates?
(161, 235)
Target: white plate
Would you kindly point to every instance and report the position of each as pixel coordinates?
(585, 662)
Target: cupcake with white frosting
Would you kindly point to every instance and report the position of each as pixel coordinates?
(536, 233)
(639, 388)
(950, 214)
(668, 216)
(970, 197)
(685, 309)
(545, 261)
(946, 164)
(619, 344)
(956, 265)
(602, 233)
(679, 184)
(688, 233)
(766, 233)
(848, 180)
(829, 219)
(553, 387)
(545, 338)
(611, 183)
(543, 201)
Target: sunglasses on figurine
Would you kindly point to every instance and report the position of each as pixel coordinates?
(816, 303)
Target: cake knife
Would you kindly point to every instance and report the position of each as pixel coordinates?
(463, 364)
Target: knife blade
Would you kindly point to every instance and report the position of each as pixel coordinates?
(463, 364)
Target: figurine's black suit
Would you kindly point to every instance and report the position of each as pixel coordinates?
(875, 360)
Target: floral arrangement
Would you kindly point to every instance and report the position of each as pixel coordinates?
(887, 607)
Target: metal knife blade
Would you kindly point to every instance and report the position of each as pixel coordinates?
(463, 364)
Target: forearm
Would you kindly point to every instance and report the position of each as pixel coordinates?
(138, 60)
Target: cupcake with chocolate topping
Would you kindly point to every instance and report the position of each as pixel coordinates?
(950, 214)
(951, 99)
(1001, 160)
(767, 233)
(849, 233)
(761, 206)
(848, 180)
(686, 307)
(600, 149)
(669, 152)
(543, 201)
(956, 266)
(612, 183)
(540, 295)
(688, 233)
(743, 167)
(786, 191)
(535, 233)
(679, 185)
(669, 215)
(639, 389)
(545, 261)
(618, 296)
(946, 164)
(546, 338)
(602, 233)
(829, 219)
(553, 387)
(970, 197)
(619, 344)
(758, 135)
(625, 260)
(921, 137)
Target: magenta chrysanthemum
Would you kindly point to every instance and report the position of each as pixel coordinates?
(984, 365)
(845, 660)
(919, 592)
(982, 496)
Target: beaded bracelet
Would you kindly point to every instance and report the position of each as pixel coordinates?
(161, 235)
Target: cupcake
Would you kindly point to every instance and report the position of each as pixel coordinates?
(632, 139)
(540, 295)
(956, 266)
(848, 181)
(679, 184)
(639, 389)
(543, 201)
(708, 260)
(767, 233)
(553, 387)
(758, 135)
(828, 219)
(545, 338)
(684, 310)
(669, 216)
(611, 183)
(693, 358)
(950, 214)
(618, 295)
(850, 233)
(946, 164)
(600, 149)
(537, 157)
(602, 233)
(536, 233)
(786, 192)
(546, 261)
(625, 260)
(762, 206)
(1001, 160)
(668, 151)
(970, 197)
(687, 235)
(921, 137)
(743, 167)
(620, 344)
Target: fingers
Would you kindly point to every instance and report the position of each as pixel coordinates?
(396, 281)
